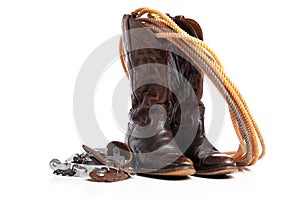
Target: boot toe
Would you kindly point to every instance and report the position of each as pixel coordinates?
(183, 166)
(167, 165)
(216, 164)
(183, 161)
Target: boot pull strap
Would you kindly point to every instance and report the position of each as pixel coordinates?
(248, 133)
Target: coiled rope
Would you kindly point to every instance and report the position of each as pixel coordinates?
(252, 146)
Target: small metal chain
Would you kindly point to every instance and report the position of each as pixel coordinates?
(66, 169)
(66, 172)
(79, 158)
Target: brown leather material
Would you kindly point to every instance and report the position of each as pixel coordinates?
(149, 133)
(195, 26)
(111, 176)
(205, 156)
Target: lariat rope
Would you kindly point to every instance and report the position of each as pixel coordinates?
(252, 146)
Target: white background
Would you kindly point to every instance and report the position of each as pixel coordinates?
(43, 45)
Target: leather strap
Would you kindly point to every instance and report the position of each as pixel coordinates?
(116, 171)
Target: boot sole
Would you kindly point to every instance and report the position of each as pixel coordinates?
(176, 171)
(217, 172)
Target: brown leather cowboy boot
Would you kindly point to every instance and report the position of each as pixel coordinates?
(149, 133)
(207, 159)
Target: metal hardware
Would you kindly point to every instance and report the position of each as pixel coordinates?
(81, 165)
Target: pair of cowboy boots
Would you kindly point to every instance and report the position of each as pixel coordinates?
(166, 128)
